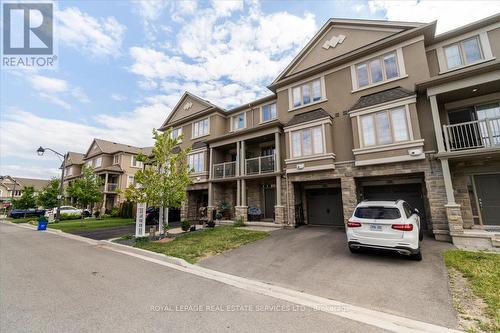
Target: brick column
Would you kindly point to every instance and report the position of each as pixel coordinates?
(349, 198)
(184, 210)
(241, 213)
(455, 222)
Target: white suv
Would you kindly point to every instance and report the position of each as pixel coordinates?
(387, 225)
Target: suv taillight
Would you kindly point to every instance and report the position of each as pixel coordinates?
(353, 224)
(403, 227)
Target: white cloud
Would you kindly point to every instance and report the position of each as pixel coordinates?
(54, 90)
(449, 14)
(150, 10)
(118, 97)
(225, 61)
(98, 37)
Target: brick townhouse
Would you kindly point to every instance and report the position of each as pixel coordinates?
(367, 110)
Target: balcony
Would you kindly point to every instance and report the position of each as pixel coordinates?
(224, 170)
(109, 187)
(260, 165)
(484, 133)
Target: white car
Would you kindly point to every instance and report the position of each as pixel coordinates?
(387, 225)
(70, 210)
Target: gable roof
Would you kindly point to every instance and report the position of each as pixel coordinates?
(74, 158)
(110, 147)
(186, 94)
(381, 97)
(38, 184)
(335, 21)
(308, 116)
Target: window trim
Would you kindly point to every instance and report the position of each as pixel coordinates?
(177, 129)
(94, 162)
(197, 121)
(116, 159)
(261, 112)
(484, 44)
(197, 152)
(372, 113)
(461, 53)
(132, 162)
(322, 88)
(400, 65)
(244, 113)
(301, 129)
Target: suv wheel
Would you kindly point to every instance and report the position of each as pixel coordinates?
(416, 256)
(420, 235)
(353, 250)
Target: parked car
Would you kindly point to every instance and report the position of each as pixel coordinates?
(20, 213)
(69, 210)
(386, 225)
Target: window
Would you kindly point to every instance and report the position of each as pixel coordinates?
(379, 213)
(130, 181)
(377, 70)
(307, 93)
(463, 53)
(268, 112)
(116, 159)
(384, 127)
(308, 141)
(238, 121)
(200, 128)
(135, 163)
(196, 162)
(176, 132)
(407, 209)
(69, 171)
(89, 163)
(98, 162)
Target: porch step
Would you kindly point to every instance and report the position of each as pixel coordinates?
(265, 224)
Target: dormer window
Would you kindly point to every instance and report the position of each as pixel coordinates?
(307, 93)
(463, 53)
(376, 70)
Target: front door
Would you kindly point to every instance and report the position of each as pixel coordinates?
(488, 197)
(269, 202)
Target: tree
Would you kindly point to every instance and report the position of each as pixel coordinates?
(47, 197)
(27, 199)
(86, 189)
(162, 183)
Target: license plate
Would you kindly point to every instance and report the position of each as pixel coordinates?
(375, 227)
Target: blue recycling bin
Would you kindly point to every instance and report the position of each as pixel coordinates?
(42, 223)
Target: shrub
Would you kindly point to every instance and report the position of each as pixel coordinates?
(69, 217)
(185, 225)
(97, 214)
(239, 222)
(126, 209)
(218, 216)
(115, 212)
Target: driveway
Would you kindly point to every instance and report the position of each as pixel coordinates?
(316, 260)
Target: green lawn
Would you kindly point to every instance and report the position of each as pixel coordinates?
(194, 246)
(90, 224)
(23, 220)
(483, 272)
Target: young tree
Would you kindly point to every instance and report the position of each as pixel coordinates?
(86, 189)
(163, 180)
(47, 197)
(27, 199)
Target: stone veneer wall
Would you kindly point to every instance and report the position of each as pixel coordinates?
(224, 192)
(348, 173)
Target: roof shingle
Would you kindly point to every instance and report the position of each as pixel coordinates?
(381, 97)
(307, 116)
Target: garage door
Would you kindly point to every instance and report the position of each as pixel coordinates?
(411, 193)
(324, 207)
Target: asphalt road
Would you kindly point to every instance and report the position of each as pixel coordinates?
(49, 283)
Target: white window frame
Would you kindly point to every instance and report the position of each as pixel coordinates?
(129, 182)
(388, 111)
(193, 136)
(177, 130)
(137, 164)
(98, 162)
(191, 155)
(301, 133)
(69, 171)
(262, 112)
(381, 54)
(116, 159)
(233, 129)
(399, 65)
(300, 85)
(484, 42)
(461, 51)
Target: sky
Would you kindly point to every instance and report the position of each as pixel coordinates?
(123, 65)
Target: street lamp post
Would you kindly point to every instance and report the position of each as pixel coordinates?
(40, 152)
